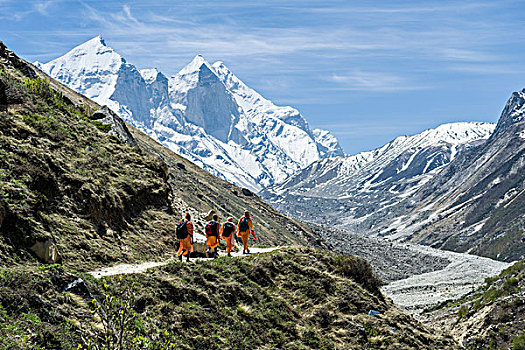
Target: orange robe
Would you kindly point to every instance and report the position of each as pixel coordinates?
(245, 234)
(229, 240)
(185, 246)
(213, 241)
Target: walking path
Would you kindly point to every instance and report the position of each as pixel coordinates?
(123, 269)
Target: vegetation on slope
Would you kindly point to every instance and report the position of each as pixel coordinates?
(493, 316)
(65, 178)
(294, 298)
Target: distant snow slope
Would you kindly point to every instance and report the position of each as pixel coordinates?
(204, 112)
(344, 189)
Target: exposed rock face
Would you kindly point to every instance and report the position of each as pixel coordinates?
(208, 103)
(514, 112)
(46, 251)
(205, 113)
(247, 192)
(107, 117)
(131, 91)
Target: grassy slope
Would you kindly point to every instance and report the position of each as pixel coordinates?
(64, 177)
(296, 298)
(492, 317)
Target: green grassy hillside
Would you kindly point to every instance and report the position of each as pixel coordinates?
(295, 298)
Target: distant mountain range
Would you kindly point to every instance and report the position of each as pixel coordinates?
(460, 187)
(343, 190)
(204, 113)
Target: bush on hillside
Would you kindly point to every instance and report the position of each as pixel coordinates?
(358, 270)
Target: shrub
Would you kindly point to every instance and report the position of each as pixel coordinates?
(463, 311)
(518, 343)
(360, 271)
(40, 87)
(120, 329)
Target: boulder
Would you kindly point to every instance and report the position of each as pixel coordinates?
(199, 243)
(46, 251)
(209, 215)
(247, 192)
(118, 128)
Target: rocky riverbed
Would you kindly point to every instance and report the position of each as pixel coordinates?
(416, 276)
(391, 261)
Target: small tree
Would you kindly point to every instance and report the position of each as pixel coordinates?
(117, 329)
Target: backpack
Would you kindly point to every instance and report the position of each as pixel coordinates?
(182, 230)
(211, 228)
(228, 229)
(243, 225)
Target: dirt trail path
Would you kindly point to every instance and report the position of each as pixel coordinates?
(123, 269)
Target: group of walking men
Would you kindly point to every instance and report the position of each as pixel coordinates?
(229, 232)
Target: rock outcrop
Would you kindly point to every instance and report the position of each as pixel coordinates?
(118, 128)
(46, 251)
(514, 112)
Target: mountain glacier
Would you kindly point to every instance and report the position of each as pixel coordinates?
(204, 113)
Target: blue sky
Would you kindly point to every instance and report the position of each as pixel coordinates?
(368, 71)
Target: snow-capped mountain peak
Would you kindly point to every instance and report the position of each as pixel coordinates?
(90, 69)
(248, 98)
(204, 113)
(195, 65)
(149, 74)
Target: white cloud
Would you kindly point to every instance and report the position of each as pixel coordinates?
(373, 81)
(377, 41)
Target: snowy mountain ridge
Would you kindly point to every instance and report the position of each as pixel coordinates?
(392, 159)
(204, 113)
(346, 189)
